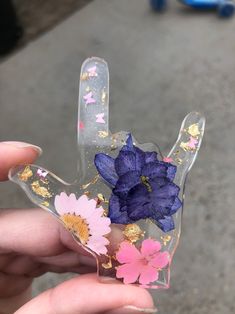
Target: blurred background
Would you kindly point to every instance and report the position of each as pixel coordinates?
(162, 66)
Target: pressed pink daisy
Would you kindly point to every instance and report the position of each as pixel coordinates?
(144, 264)
(85, 220)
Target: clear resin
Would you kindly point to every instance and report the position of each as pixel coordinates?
(126, 206)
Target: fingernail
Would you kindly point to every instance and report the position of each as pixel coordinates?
(24, 145)
(129, 309)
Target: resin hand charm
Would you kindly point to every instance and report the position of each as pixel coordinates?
(125, 207)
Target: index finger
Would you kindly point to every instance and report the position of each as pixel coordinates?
(34, 232)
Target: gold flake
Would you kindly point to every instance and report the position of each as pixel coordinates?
(84, 186)
(133, 232)
(189, 146)
(178, 160)
(193, 130)
(108, 265)
(84, 76)
(113, 147)
(101, 197)
(103, 134)
(185, 146)
(93, 181)
(176, 152)
(40, 190)
(106, 212)
(88, 89)
(103, 96)
(114, 137)
(25, 174)
(166, 239)
(87, 193)
(45, 204)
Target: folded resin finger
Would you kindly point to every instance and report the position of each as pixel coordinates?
(125, 206)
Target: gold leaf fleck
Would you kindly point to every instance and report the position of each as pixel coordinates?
(108, 265)
(101, 197)
(166, 239)
(88, 89)
(40, 190)
(25, 174)
(103, 96)
(106, 212)
(178, 160)
(176, 152)
(185, 146)
(84, 76)
(45, 203)
(87, 193)
(114, 137)
(113, 147)
(103, 134)
(133, 233)
(193, 130)
(93, 181)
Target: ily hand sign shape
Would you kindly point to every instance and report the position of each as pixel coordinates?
(125, 207)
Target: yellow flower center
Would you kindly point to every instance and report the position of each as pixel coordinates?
(77, 225)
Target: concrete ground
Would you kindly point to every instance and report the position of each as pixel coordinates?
(161, 67)
(36, 16)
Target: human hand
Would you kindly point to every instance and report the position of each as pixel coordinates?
(32, 243)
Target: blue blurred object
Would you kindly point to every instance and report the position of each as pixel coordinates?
(158, 5)
(225, 8)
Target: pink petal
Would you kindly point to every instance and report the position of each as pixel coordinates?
(83, 208)
(98, 244)
(98, 240)
(160, 260)
(148, 274)
(98, 229)
(127, 253)
(129, 272)
(72, 203)
(61, 203)
(149, 247)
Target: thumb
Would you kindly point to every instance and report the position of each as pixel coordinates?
(87, 295)
(15, 153)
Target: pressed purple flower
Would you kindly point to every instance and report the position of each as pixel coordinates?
(142, 186)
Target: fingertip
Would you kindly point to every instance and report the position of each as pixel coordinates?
(16, 153)
(105, 297)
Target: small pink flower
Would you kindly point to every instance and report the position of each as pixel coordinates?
(81, 125)
(85, 220)
(167, 159)
(144, 264)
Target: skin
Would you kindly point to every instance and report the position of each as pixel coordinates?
(33, 243)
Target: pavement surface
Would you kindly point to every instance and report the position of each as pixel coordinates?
(161, 67)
